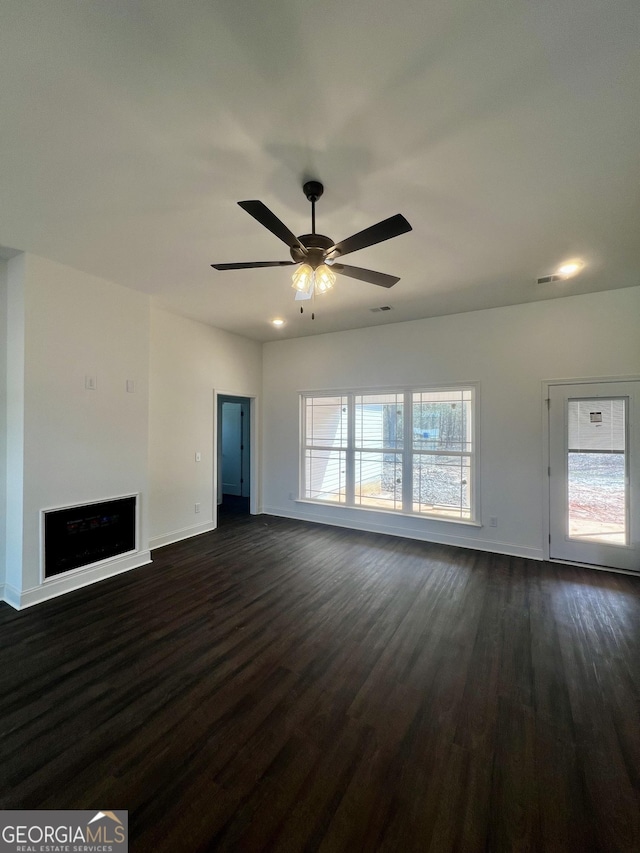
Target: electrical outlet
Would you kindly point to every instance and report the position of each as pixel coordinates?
(197, 508)
(493, 521)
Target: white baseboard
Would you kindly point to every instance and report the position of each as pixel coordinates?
(178, 535)
(11, 595)
(491, 545)
(593, 566)
(59, 586)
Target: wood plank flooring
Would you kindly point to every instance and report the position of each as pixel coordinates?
(276, 685)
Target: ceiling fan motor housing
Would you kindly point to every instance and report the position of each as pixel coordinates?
(316, 245)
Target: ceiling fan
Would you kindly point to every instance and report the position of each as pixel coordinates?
(317, 256)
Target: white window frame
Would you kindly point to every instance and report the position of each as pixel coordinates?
(407, 452)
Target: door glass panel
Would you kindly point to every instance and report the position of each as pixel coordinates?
(596, 490)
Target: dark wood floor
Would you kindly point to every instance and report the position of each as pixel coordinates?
(280, 686)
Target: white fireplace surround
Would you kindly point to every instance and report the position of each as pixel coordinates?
(83, 575)
(97, 563)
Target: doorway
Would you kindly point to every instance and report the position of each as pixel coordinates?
(234, 456)
(594, 474)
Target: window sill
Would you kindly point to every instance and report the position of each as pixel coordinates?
(391, 513)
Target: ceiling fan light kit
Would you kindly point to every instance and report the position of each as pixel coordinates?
(303, 279)
(306, 279)
(316, 254)
(324, 279)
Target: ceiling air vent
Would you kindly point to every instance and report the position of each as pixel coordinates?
(381, 308)
(547, 278)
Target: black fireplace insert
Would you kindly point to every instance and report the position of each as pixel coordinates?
(81, 535)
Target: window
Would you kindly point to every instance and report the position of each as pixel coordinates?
(326, 436)
(409, 451)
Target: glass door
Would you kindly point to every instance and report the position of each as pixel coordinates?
(593, 474)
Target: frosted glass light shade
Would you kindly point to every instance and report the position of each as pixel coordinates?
(303, 279)
(325, 279)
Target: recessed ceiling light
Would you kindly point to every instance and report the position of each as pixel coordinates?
(569, 268)
(277, 322)
(566, 270)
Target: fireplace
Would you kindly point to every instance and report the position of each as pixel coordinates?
(79, 536)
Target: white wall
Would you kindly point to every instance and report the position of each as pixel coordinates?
(14, 437)
(188, 362)
(77, 445)
(3, 421)
(509, 351)
(68, 445)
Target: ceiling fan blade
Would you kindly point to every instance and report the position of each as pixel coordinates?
(371, 276)
(265, 217)
(378, 233)
(252, 264)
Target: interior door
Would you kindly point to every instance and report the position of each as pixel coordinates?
(232, 448)
(594, 474)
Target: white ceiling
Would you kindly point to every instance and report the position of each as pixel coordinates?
(506, 132)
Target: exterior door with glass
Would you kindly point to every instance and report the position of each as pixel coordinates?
(594, 474)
